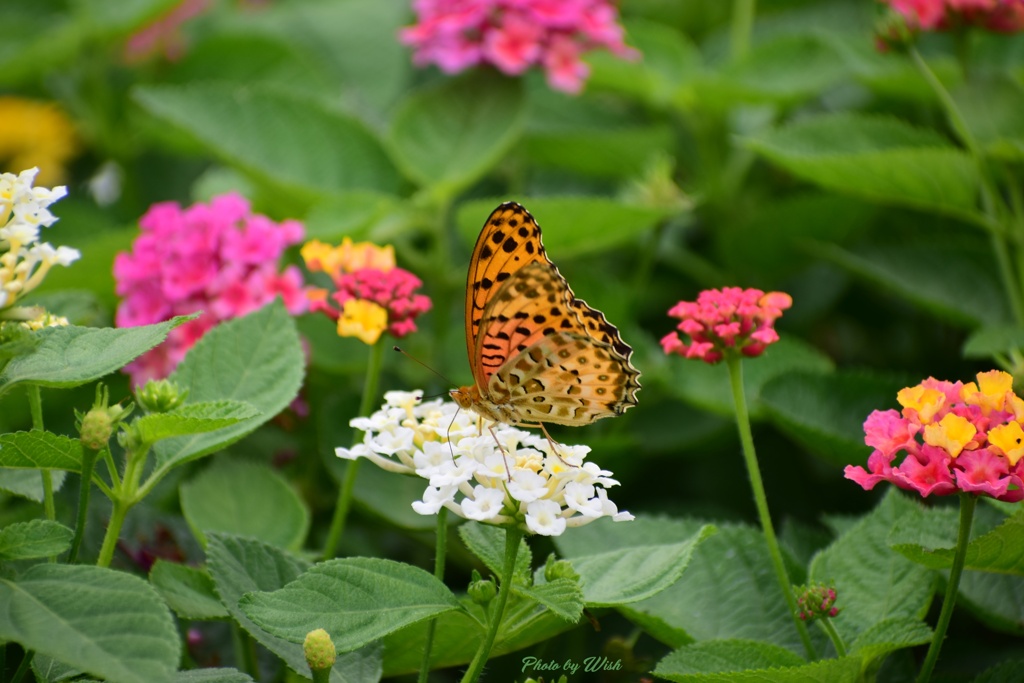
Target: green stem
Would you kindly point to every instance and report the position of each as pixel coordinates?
(35, 405)
(88, 463)
(113, 532)
(26, 662)
(989, 195)
(743, 12)
(735, 365)
(967, 504)
(348, 484)
(833, 635)
(245, 654)
(512, 537)
(440, 550)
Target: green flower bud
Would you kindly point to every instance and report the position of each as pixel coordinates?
(319, 650)
(559, 569)
(97, 426)
(481, 591)
(160, 396)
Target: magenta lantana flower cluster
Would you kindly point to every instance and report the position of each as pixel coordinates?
(219, 258)
(728, 318)
(1004, 16)
(949, 437)
(514, 35)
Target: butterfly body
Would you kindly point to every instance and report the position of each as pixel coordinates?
(538, 354)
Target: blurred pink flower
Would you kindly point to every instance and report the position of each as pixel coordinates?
(163, 35)
(729, 318)
(1003, 16)
(218, 258)
(953, 437)
(514, 35)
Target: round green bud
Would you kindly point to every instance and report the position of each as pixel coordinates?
(160, 396)
(319, 650)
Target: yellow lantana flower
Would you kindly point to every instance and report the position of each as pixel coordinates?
(1009, 438)
(347, 257)
(362, 319)
(951, 434)
(926, 402)
(36, 134)
(990, 392)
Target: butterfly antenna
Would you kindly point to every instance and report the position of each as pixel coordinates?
(418, 361)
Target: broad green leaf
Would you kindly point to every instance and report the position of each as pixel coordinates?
(37, 538)
(602, 152)
(357, 600)
(636, 573)
(999, 551)
(281, 137)
(245, 499)
(707, 386)
(738, 662)
(1004, 672)
(724, 656)
(487, 542)
(562, 597)
(991, 340)
(991, 106)
(256, 359)
(70, 356)
(127, 16)
(873, 582)
(219, 675)
(49, 670)
(881, 159)
(193, 418)
(953, 278)
(242, 565)
(573, 226)
(826, 412)
(996, 600)
(189, 591)
(448, 136)
(106, 623)
(40, 450)
(29, 483)
(890, 635)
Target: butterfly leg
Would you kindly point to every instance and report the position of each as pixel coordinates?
(501, 448)
(551, 442)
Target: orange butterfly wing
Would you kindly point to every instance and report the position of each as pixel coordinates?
(537, 351)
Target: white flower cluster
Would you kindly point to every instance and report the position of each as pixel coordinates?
(24, 260)
(527, 484)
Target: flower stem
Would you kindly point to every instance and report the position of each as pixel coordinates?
(735, 365)
(26, 662)
(35, 404)
(88, 464)
(113, 532)
(743, 12)
(833, 635)
(348, 483)
(512, 537)
(967, 504)
(440, 550)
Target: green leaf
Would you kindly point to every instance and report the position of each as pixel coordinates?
(991, 340)
(70, 356)
(991, 106)
(37, 538)
(449, 135)
(29, 483)
(826, 413)
(193, 418)
(257, 359)
(106, 623)
(573, 226)
(999, 551)
(625, 575)
(357, 600)
(735, 661)
(189, 591)
(622, 152)
(890, 635)
(50, 670)
(220, 675)
(281, 137)
(881, 159)
(487, 542)
(40, 450)
(246, 499)
(953, 278)
(562, 596)
(996, 600)
(239, 566)
(1004, 672)
(873, 583)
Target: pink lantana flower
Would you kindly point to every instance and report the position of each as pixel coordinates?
(371, 294)
(218, 258)
(949, 437)
(514, 35)
(731, 318)
(163, 36)
(1002, 16)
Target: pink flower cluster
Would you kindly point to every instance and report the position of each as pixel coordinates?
(729, 318)
(514, 35)
(1004, 16)
(393, 290)
(816, 602)
(953, 437)
(218, 258)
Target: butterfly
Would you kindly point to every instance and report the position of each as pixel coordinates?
(538, 354)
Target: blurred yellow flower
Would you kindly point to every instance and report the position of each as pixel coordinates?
(347, 257)
(36, 134)
(362, 319)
